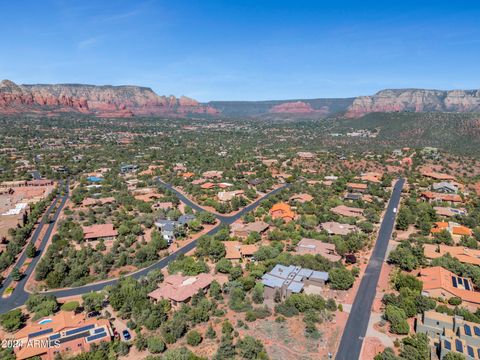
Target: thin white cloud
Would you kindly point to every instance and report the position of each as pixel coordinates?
(87, 43)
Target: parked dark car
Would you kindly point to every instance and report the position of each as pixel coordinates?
(126, 335)
(93, 314)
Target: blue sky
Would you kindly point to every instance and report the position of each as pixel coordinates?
(244, 50)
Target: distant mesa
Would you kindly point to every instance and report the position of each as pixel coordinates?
(416, 100)
(128, 101)
(102, 101)
(295, 107)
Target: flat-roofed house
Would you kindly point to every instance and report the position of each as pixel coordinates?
(444, 187)
(225, 196)
(317, 247)
(287, 280)
(179, 289)
(441, 283)
(436, 324)
(67, 332)
(99, 232)
(449, 211)
(336, 228)
(100, 201)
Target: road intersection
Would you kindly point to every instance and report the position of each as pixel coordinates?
(20, 295)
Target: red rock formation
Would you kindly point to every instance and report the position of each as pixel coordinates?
(296, 107)
(102, 101)
(416, 100)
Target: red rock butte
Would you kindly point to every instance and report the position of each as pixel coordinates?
(102, 101)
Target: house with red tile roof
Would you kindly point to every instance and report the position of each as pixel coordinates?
(243, 230)
(179, 289)
(348, 211)
(439, 197)
(452, 227)
(357, 187)
(436, 175)
(301, 198)
(282, 211)
(212, 174)
(67, 332)
(463, 254)
(235, 250)
(441, 283)
(99, 232)
(207, 185)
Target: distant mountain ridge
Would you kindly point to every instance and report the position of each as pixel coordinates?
(102, 101)
(416, 100)
(128, 100)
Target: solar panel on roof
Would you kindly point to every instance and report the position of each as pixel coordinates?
(99, 330)
(454, 282)
(41, 332)
(460, 280)
(467, 329)
(80, 329)
(467, 285)
(447, 344)
(458, 346)
(55, 336)
(476, 330)
(97, 336)
(470, 351)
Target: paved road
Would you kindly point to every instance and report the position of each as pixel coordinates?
(357, 323)
(20, 296)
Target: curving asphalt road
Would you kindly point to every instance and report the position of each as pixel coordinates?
(357, 323)
(20, 296)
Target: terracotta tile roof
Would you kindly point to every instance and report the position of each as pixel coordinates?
(181, 288)
(357, 186)
(463, 254)
(451, 227)
(187, 175)
(236, 250)
(301, 197)
(438, 278)
(59, 322)
(99, 231)
(437, 175)
(208, 185)
(282, 211)
(441, 197)
(347, 211)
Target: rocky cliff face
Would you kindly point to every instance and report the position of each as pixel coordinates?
(102, 101)
(416, 100)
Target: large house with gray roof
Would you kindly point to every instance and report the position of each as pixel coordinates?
(287, 280)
